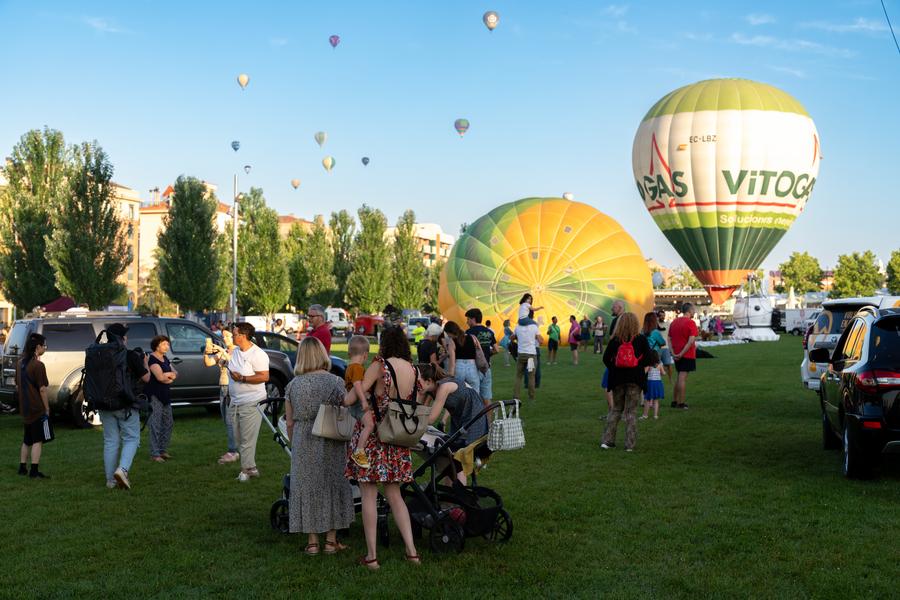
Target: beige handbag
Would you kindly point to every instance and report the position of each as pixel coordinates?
(333, 423)
(405, 421)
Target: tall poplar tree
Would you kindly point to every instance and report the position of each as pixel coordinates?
(408, 277)
(263, 285)
(310, 266)
(343, 228)
(188, 262)
(369, 282)
(432, 287)
(88, 248)
(36, 185)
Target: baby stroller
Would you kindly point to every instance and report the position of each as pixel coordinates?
(270, 409)
(452, 512)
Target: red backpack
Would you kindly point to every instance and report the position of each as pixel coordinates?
(625, 357)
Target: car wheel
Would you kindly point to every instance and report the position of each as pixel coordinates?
(829, 440)
(795, 331)
(274, 388)
(854, 465)
(82, 416)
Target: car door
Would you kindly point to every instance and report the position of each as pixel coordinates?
(196, 381)
(840, 360)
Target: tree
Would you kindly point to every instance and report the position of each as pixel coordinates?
(36, 185)
(153, 299)
(369, 283)
(408, 276)
(263, 285)
(893, 273)
(188, 263)
(342, 229)
(802, 272)
(684, 279)
(223, 245)
(88, 248)
(432, 287)
(310, 265)
(856, 274)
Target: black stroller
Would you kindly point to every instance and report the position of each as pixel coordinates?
(271, 412)
(453, 512)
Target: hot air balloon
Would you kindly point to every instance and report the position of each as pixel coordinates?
(321, 137)
(235, 145)
(568, 196)
(243, 79)
(247, 169)
(462, 126)
(724, 167)
(328, 162)
(571, 257)
(490, 18)
(295, 183)
(334, 40)
(365, 161)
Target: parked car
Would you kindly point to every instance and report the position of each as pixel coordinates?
(337, 318)
(794, 320)
(827, 328)
(69, 334)
(274, 341)
(413, 322)
(860, 388)
(368, 324)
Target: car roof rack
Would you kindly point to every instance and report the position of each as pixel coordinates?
(77, 314)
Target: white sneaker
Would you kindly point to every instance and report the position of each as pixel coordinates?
(243, 476)
(121, 476)
(111, 484)
(605, 446)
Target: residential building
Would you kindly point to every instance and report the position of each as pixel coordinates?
(129, 204)
(285, 222)
(431, 241)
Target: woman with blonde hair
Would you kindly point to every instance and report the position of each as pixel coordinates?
(625, 357)
(321, 498)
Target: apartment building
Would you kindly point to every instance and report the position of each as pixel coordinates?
(432, 243)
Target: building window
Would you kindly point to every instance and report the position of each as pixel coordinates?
(130, 274)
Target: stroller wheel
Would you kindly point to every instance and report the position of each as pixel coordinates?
(447, 536)
(384, 535)
(278, 516)
(502, 529)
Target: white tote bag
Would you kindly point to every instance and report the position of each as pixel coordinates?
(506, 432)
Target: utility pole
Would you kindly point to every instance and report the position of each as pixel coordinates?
(234, 256)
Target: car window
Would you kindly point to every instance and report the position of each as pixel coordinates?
(66, 337)
(139, 334)
(286, 345)
(15, 342)
(833, 321)
(185, 338)
(261, 340)
(885, 344)
(853, 348)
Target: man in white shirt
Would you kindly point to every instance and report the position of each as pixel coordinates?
(248, 371)
(528, 338)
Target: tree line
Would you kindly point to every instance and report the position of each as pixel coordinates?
(856, 274)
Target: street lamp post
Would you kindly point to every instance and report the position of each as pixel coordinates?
(234, 246)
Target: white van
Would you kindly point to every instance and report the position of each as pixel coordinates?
(338, 319)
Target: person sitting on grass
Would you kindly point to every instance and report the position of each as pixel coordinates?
(358, 351)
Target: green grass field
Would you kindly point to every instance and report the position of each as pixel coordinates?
(732, 498)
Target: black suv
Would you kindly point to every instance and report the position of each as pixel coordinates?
(69, 333)
(860, 390)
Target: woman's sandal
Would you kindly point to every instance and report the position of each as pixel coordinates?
(371, 564)
(311, 549)
(414, 559)
(334, 547)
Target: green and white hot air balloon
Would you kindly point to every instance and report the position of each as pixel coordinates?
(724, 167)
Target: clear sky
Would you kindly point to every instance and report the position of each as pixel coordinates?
(554, 96)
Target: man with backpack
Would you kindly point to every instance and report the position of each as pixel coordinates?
(111, 374)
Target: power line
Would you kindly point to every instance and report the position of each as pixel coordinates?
(891, 27)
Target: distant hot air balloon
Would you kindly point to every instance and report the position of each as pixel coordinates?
(658, 279)
(247, 169)
(365, 161)
(295, 183)
(235, 145)
(462, 126)
(334, 40)
(725, 166)
(490, 18)
(328, 162)
(568, 196)
(321, 137)
(572, 258)
(243, 79)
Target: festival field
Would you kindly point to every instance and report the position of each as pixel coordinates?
(732, 498)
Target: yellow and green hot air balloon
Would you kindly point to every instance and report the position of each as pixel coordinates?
(571, 257)
(724, 167)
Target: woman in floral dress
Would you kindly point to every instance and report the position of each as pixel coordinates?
(390, 465)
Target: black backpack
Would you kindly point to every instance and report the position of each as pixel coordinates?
(107, 384)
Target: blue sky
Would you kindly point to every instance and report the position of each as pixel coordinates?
(554, 97)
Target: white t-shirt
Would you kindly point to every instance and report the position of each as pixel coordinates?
(526, 335)
(524, 309)
(247, 362)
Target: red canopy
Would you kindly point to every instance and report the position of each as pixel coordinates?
(60, 304)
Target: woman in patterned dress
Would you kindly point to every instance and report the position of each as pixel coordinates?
(390, 465)
(321, 498)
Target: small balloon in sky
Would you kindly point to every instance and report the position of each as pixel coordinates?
(462, 126)
(328, 162)
(235, 145)
(568, 196)
(490, 18)
(243, 79)
(321, 137)
(365, 161)
(334, 40)
(295, 183)
(247, 169)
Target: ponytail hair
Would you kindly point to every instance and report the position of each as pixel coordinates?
(34, 340)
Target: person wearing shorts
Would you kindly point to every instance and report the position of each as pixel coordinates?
(683, 334)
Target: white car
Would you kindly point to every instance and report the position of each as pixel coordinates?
(827, 328)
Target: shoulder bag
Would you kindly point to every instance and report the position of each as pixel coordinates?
(506, 433)
(480, 360)
(405, 421)
(333, 423)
